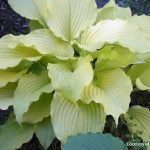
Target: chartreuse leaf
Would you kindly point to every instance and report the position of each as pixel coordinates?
(111, 57)
(144, 57)
(112, 11)
(31, 9)
(12, 135)
(69, 17)
(94, 141)
(10, 76)
(11, 39)
(138, 69)
(70, 118)
(143, 22)
(12, 52)
(138, 121)
(45, 133)
(29, 90)
(12, 57)
(71, 77)
(107, 90)
(139, 74)
(143, 81)
(36, 113)
(34, 25)
(114, 31)
(6, 95)
(46, 43)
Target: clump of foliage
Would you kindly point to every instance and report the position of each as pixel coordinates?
(78, 65)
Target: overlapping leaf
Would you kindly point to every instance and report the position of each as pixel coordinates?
(12, 52)
(70, 78)
(34, 25)
(139, 74)
(12, 135)
(112, 11)
(143, 22)
(32, 9)
(70, 118)
(143, 81)
(111, 88)
(10, 41)
(69, 17)
(6, 95)
(9, 76)
(38, 110)
(138, 120)
(29, 89)
(46, 43)
(45, 133)
(112, 32)
(111, 57)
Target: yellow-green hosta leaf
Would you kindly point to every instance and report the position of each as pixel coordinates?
(46, 43)
(144, 56)
(12, 135)
(10, 41)
(9, 76)
(12, 57)
(143, 81)
(29, 90)
(12, 52)
(6, 95)
(111, 88)
(38, 110)
(112, 32)
(140, 85)
(34, 25)
(143, 22)
(112, 11)
(69, 17)
(138, 121)
(139, 74)
(70, 78)
(31, 9)
(45, 133)
(136, 70)
(70, 118)
(111, 57)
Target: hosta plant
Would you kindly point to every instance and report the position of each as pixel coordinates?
(77, 65)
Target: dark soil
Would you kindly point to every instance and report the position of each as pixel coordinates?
(10, 22)
(34, 144)
(4, 114)
(138, 7)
